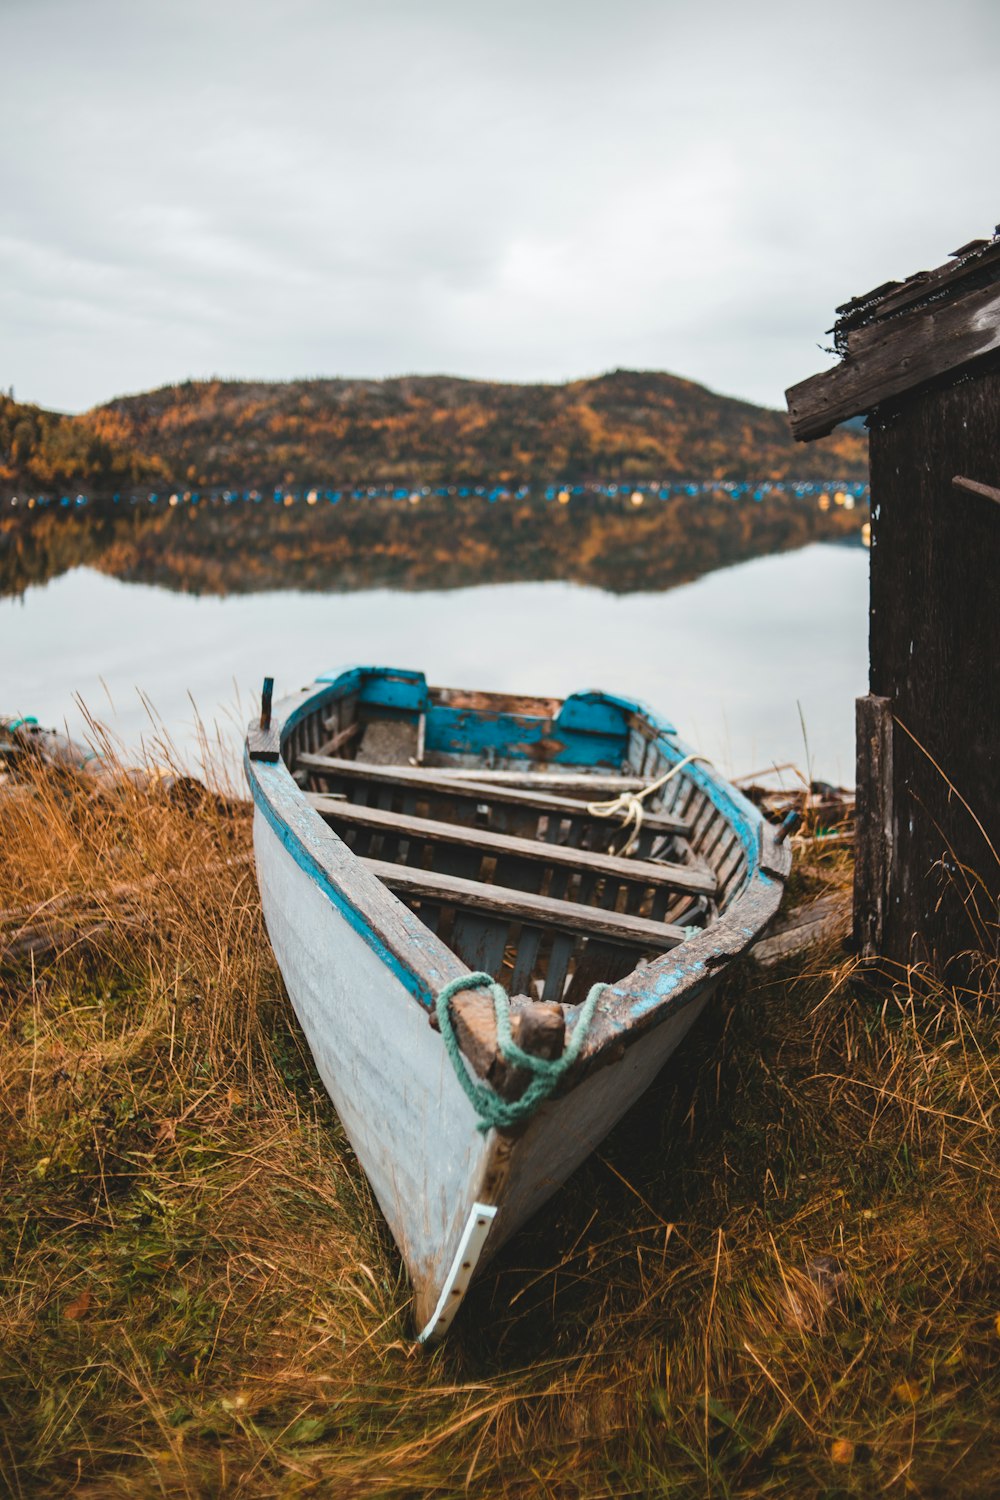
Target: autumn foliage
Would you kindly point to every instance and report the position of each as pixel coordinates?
(628, 425)
(46, 451)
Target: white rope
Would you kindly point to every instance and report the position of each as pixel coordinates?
(628, 805)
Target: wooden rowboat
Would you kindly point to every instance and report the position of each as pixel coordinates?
(407, 836)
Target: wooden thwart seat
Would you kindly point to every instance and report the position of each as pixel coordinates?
(645, 872)
(415, 778)
(521, 906)
(565, 783)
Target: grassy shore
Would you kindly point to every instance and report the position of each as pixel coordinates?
(778, 1277)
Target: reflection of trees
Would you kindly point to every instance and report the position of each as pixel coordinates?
(246, 548)
(37, 547)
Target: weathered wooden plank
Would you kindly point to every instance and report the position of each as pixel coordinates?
(486, 702)
(479, 941)
(705, 819)
(731, 873)
(430, 915)
(527, 958)
(555, 973)
(714, 845)
(874, 822)
(969, 247)
(827, 919)
(522, 874)
(866, 299)
(889, 358)
(923, 284)
(600, 963)
(449, 859)
(264, 744)
(585, 788)
(677, 877)
(684, 912)
(341, 738)
(569, 916)
(421, 776)
(934, 630)
(659, 906)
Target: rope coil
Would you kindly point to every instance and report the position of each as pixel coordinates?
(629, 804)
(493, 1111)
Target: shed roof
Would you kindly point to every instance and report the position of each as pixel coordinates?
(901, 335)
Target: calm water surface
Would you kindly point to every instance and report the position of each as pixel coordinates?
(729, 658)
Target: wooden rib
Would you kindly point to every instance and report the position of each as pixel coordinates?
(419, 776)
(676, 877)
(556, 967)
(734, 867)
(569, 916)
(340, 739)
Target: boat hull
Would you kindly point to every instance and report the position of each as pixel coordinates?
(411, 1125)
(362, 971)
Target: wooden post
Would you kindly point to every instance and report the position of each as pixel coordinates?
(263, 740)
(874, 822)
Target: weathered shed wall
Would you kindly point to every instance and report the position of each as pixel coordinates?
(934, 639)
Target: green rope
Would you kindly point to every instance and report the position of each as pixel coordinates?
(493, 1111)
(23, 723)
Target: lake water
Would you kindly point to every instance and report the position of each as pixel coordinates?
(731, 658)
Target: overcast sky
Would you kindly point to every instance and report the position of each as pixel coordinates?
(518, 190)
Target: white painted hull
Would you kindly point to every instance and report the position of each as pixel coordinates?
(386, 1071)
(389, 1076)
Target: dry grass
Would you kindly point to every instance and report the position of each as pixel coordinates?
(779, 1276)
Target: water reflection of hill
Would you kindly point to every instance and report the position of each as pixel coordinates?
(383, 544)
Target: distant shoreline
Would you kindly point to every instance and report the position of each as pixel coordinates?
(628, 427)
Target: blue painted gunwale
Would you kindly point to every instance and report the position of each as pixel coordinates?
(420, 961)
(415, 956)
(675, 979)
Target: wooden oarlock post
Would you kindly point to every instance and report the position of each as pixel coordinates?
(263, 740)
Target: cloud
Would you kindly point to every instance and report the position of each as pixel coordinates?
(528, 192)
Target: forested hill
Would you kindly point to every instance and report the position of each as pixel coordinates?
(47, 451)
(437, 429)
(417, 430)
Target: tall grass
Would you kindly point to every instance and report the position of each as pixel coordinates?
(777, 1277)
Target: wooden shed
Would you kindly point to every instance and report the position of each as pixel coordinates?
(921, 358)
